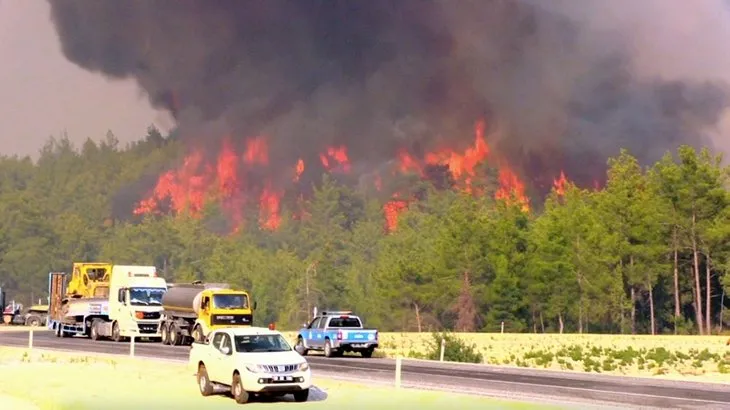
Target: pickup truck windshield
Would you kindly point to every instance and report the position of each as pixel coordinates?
(261, 343)
(146, 296)
(230, 301)
(345, 322)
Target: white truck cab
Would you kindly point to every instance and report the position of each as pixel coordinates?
(250, 360)
(135, 304)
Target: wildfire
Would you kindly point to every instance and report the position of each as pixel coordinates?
(559, 184)
(462, 166)
(228, 181)
(298, 170)
(335, 159)
(392, 209)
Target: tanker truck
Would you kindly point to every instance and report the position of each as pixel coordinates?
(100, 300)
(193, 310)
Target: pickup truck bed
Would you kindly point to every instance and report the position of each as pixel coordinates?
(336, 334)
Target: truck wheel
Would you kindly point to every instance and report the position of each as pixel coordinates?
(116, 333)
(57, 330)
(367, 353)
(33, 321)
(237, 390)
(175, 338)
(300, 347)
(165, 339)
(94, 332)
(301, 395)
(328, 349)
(206, 388)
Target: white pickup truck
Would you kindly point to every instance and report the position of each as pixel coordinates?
(250, 360)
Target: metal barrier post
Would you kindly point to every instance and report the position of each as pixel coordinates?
(397, 372)
(30, 339)
(131, 344)
(443, 348)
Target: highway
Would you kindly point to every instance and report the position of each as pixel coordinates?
(578, 389)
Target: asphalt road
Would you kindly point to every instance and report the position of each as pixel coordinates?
(522, 384)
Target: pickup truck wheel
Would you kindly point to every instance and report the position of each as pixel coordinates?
(206, 387)
(238, 391)
(300, 347)
(367, 353)
(301, 395)
(328, 349)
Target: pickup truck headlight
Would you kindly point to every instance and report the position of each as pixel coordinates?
(254, 368)
(304, 366)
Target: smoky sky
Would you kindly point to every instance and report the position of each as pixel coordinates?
(557, 90)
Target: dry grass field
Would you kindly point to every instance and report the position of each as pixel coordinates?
(699, 358)
(48, 380)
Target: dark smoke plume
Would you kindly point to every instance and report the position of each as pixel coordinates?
(559, 90)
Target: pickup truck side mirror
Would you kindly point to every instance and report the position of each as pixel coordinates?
(226, 350)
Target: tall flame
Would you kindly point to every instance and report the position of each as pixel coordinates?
(198, 180)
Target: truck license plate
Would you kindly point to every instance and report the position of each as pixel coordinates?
(283, 378)
(359, 345)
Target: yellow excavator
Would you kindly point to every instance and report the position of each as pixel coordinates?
(89, 280)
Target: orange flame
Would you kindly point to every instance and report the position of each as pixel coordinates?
(269, 200)
(299, 169)
(559, 184)
(391, 210)
(196, 181)
(337, 155)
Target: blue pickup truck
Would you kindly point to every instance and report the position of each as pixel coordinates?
(336, 333)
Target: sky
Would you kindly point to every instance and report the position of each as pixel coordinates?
(44, 95)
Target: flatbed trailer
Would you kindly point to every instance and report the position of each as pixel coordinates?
(85, 309)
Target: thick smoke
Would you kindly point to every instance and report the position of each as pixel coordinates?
(563, 84)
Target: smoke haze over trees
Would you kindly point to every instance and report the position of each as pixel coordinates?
(561, 84)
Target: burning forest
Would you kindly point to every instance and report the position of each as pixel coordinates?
(269, 95)
(226, 179)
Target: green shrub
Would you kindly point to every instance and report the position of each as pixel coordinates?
(456, 350)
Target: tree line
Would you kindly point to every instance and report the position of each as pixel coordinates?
(647, 253)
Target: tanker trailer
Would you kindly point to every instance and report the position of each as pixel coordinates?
(192, 310)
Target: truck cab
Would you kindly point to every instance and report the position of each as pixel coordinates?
(193, 310)
(337, 332)
(135, 304)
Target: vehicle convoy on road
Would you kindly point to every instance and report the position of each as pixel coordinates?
(336, 332)
(250, 361)
(193, 310)
(101, 300)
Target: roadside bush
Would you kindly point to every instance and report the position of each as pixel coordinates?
(456, 350)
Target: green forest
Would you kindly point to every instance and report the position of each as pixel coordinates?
(646, 253)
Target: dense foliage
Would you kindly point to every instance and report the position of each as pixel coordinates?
(647, 253)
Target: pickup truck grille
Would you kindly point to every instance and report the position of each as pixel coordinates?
(284, 368)
(231, 320)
